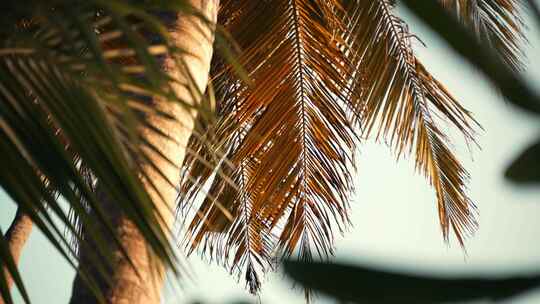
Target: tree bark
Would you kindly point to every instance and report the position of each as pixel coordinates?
(16, 237)
(144, 284)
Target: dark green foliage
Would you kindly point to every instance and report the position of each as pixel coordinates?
(366, 285)
(70, 88)
(525, 169)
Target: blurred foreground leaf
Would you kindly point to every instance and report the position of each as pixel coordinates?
(465, 44)
(526, 167)
(364, 285)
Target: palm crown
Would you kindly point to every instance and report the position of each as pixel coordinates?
(316, 78)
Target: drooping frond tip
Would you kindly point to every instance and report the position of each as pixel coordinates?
(398, 99)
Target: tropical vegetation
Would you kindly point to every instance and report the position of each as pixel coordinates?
(113, 106)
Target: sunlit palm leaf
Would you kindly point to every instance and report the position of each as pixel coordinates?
(313, 66)
(289, 136)
(400, 101)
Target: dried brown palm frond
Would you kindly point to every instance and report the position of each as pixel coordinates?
(317, 69)
(403, 103)
(224, 225)
(288, 136)
(497, 23)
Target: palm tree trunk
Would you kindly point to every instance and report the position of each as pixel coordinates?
(143, 285)
(16, 237)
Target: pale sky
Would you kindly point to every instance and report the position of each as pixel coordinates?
(394, 210)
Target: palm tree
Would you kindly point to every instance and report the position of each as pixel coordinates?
(276, 150)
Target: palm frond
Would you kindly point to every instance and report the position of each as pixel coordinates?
(76, 80)
(287, 134)
(497, 23)
(396, 95)
(9, 269)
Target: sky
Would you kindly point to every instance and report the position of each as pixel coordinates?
(393, 211)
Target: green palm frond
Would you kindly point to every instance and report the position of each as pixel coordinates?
(287, 136)
(76, 81)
